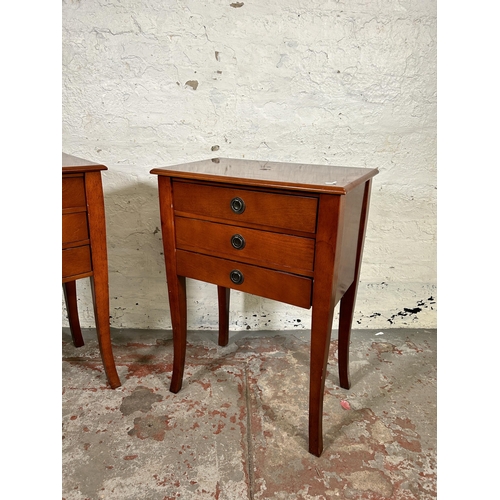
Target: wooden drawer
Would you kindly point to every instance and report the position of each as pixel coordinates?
(267, 249)
(73, 192)
(284, 287)
(76, 261)
(74, 228)
(274, 210)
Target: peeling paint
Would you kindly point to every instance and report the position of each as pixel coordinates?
(192, 83)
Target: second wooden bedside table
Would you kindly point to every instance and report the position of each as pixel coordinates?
(289, 232)
(84, 251)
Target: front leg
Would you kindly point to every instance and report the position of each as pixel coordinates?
(322, 315)
(328, 241)
(101, 312)
(176, 284)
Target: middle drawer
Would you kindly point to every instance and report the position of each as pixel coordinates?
(288, 253)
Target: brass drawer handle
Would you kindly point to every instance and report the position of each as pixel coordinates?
(236, 276)
(237, 205)
(238, 242)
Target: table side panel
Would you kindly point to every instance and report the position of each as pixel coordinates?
(350, 235)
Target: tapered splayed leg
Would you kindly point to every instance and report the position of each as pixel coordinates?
(176, 284)
(178, 312)
(100, 297)
(346, 314)
(99, 280)
(320, 344)
(323, 304)
(69, 289)
(224, 296)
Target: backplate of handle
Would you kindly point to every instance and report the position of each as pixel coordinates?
(236, 276)
(237, 205)
(238, 242)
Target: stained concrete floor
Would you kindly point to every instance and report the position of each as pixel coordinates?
(238, 427)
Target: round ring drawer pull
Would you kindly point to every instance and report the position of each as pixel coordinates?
(238, 242)
(236, 276)
(237, 205)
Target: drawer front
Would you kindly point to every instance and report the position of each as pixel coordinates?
(284, 287)
(266, 249)
(76, 261)
(240, 206)
(74, 228)
(73, 192)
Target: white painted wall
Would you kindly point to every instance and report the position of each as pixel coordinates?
(155, 83)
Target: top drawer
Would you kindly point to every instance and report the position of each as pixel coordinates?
(73, 192)
(242, 206)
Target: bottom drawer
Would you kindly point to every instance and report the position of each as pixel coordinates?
(277, 285)
(76, 261)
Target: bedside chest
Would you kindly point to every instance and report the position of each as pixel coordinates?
(289, 232)
(84, 251)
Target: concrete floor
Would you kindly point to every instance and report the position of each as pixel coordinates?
(238, 427)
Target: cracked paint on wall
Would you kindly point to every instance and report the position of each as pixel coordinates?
(342, 83)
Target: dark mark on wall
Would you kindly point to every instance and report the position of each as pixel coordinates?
(408, 312)
(217, 55)
(237, 5)
(157, 230)
(415, 310)
(192, 83)
(215, 148)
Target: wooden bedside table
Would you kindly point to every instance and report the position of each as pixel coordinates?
(84, 251)
(289, 232)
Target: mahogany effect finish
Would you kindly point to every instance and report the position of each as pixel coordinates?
(84, 252)
(289, 232)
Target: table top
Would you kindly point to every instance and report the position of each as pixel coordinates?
(295, 176)
(73, 164)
